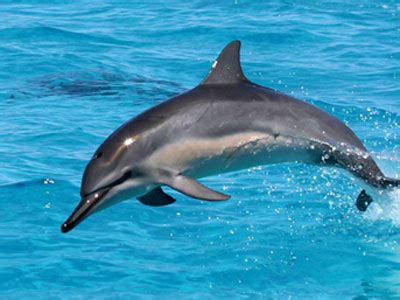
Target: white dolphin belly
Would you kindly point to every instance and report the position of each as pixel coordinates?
(204, 157)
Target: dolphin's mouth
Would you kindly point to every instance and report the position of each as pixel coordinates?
(84, 208)
(90, 201)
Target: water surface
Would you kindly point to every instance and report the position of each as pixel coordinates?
(73, 71)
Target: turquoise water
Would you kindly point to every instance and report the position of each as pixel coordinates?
(73, 71)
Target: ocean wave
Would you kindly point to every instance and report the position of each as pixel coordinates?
(54, 35)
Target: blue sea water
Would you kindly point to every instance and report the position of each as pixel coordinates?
(73, 71)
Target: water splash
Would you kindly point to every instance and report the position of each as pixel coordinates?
(387, 208)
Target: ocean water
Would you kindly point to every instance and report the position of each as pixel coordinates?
(73, 71)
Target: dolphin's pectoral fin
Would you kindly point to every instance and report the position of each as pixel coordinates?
(193, 188)
(363, 201)
(156, 197)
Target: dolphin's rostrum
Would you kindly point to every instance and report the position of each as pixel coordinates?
(226, 123)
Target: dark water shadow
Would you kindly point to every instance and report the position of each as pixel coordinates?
(95, 83)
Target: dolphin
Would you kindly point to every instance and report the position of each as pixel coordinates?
(226, 123)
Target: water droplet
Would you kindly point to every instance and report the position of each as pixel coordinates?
(48, 181)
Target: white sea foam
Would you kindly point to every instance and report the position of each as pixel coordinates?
(387, 207)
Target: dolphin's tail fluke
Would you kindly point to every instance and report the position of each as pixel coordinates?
(364, 200)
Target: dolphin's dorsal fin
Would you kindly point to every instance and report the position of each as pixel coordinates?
(226, 69)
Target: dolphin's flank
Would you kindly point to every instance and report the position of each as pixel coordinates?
(224, 124)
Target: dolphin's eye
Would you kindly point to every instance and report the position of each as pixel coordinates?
(98, 155)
